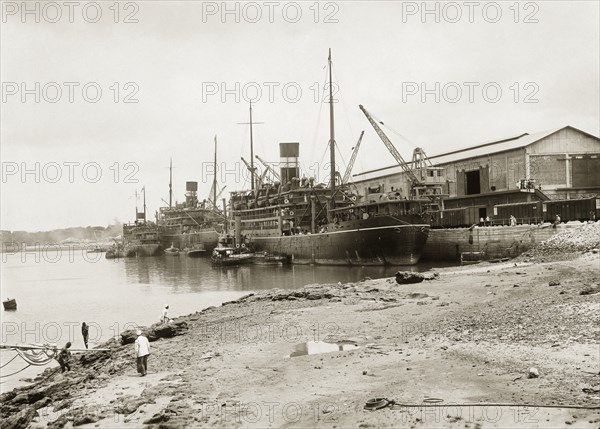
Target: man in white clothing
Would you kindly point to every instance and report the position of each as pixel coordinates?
(164, 318)
(142, 351)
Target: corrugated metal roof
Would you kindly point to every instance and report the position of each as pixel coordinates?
(494, 147)
(503, 145)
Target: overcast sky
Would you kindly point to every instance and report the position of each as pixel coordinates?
(179, 57)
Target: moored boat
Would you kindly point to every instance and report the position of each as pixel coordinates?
(172, 251)
(230, 256)
(114, 253)
(266, 258)
(196, 251)
(10, 304)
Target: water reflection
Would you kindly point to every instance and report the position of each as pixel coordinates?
(318, 347)
(197, 274)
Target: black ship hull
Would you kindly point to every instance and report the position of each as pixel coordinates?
(367, 245)
(208, 239)
(136, 250)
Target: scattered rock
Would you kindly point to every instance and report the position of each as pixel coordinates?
(554, 283)
(408, 277)
(156, 331)
(417, 295)
(20, 419)
(533, 373)
(590, 290)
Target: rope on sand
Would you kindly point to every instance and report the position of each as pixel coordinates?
(379, 403)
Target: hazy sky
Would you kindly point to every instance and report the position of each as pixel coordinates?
(190, 67)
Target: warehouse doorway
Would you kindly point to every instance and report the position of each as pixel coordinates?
(473, 181)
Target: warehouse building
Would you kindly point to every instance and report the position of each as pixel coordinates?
(562, 163)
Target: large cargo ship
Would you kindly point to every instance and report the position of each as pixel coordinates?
(193, 224)
(141, 237)
(190, 224)
(328, 224)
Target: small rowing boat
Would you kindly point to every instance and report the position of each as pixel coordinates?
(172, 251)
(10, 304)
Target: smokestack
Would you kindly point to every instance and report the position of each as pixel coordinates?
(288, 161)
(191, 194)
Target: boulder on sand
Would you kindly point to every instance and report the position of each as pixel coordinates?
(156, 331)
(407, 277)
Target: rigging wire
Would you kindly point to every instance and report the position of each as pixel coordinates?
(16, 372)
(4, 364)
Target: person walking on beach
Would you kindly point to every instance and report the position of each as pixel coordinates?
(85, 329)
(164, 318)
(142, 351)
(64, 358)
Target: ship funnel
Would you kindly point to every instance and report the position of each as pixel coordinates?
(288, 161)
(191, 194)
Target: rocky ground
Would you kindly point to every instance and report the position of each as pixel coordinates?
(478, 346)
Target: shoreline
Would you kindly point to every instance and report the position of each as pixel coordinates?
(468, 336)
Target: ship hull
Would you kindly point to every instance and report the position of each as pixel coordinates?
(133, 250)
(375, 245)
(208, 239)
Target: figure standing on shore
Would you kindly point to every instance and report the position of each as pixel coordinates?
(85, 329)
(164, 318)
(513, 221)
(556, 221)
(142, 351)
(64, 358)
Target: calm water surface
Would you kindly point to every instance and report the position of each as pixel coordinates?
(55, 292)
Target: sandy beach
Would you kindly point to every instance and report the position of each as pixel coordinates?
(455, 350)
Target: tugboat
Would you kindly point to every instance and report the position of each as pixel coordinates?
(327, 224)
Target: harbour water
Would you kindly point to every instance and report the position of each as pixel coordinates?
(57, 290)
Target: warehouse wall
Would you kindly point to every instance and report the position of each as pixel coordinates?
(560, 162)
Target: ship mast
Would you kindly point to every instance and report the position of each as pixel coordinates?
(331, 135)
(215, 176)
(170, 182)
(251, 151)
(144, 190)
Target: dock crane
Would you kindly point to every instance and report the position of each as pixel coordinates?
(260, 180)
(420, 162)
(352, 160)
(268, 168)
